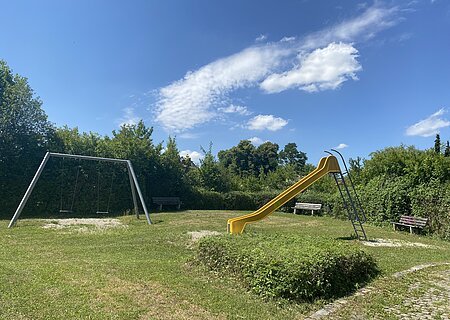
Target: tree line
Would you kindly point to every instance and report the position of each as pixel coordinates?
(392, 182)
(26, 135)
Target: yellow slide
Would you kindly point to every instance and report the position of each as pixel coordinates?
(326, 165)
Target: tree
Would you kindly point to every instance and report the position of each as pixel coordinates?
(240, 159)
(134, 142)
(266, 157)
(170, 181)
(290, 155)
(25, 133)
(447, 150)
(211, 177)
(437, 144)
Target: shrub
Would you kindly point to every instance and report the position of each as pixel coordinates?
(432, 200)
(289, 267)
(234, 200)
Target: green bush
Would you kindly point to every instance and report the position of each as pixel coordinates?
(234, 200)
(289, 267)
(432, 200)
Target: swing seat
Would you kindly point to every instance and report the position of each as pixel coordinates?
(102, 212)
(65, 211)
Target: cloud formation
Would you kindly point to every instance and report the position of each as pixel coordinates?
(188, 102)
(429, 126)
(341, 146)
(240, 110)
(256, 141)
(322, 60)
(322, 69)
(269, 122)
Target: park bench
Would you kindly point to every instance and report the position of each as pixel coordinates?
(307, 206)
(167, 201)
(411, 222)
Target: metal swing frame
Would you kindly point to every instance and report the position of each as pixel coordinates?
(131, 175)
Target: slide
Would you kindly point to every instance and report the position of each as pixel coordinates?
(326, 165)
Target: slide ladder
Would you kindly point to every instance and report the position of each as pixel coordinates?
(350, 199)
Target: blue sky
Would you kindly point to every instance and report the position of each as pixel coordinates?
(355, 74)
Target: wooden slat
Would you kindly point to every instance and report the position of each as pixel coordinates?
(411, 221)
(308, 206)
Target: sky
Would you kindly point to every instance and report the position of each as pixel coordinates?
(355, 75)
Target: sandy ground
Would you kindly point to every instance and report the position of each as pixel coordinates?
(197, 235)
(395, 243)
(83, 224)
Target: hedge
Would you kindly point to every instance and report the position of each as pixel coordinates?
(290, 267)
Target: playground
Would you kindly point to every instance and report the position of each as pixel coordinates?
(130, 270)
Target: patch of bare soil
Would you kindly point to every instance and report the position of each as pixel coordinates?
(84, 224)
(396, 243)
(197, 235)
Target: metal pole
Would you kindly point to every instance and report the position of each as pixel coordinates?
(133, 192)
(75, 156)
(29, 190)
(130, 167)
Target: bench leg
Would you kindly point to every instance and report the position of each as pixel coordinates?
(312, 212)
(410, 230)
(393, 226)
(179, 206)
(295, 211)
(160, 207)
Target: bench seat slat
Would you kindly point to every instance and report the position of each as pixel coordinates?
(411, 222)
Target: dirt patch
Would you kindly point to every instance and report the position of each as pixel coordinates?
(84, 225)
(197, 235)
(396, 243)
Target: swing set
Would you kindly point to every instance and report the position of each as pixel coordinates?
(97, 186)
(134, 185)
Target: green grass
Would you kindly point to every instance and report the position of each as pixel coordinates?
(144, 271)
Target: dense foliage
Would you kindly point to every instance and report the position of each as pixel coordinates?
(289, 267)
(393, 182)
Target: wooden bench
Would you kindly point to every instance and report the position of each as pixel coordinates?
(307, 206)
(411, 222)
(167, 201)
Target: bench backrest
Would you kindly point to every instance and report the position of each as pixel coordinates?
(414, 221)
(308, 206)
(166, 200)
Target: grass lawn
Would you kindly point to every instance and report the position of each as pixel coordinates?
(144, 272)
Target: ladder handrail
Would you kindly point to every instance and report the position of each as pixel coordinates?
(351, 184)
(349, 204)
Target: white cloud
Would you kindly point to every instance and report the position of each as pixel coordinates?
(194, 155)
(129, 117)
(341, 146)
(362, 27)
(429, 126)
(189, 101)
(256, 141)
(241, 110)
(261, 38)
(319, 70)
(196, 98)
(287, 39)
(269, 122)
